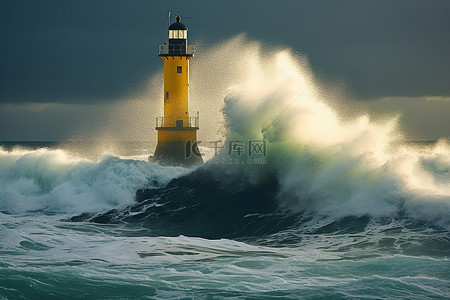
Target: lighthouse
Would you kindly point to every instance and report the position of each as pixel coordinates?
(177, 130)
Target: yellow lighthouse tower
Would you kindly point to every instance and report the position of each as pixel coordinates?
(177, 131)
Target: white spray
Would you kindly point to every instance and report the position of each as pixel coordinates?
(328, 165)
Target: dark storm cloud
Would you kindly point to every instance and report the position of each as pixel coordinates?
(94, 51)
(73, 51)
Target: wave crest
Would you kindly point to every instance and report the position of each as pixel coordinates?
(329, 164)
(53, 180)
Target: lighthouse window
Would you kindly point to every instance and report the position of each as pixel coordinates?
(179, 69)
(177, 34)
(167, 95)
(173, 34)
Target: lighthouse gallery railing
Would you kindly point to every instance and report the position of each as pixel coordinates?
(166, 49)
(189, 122)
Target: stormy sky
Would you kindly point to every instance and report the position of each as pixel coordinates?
(62, 62)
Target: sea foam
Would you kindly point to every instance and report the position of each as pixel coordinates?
(55, 181)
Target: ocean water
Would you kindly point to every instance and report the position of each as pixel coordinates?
(336, 207)
(74, 228)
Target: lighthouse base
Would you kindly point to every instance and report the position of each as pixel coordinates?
(177, 153)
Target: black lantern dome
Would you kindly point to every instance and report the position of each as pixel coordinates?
(177, 25)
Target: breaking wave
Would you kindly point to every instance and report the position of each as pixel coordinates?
(320, 160)
(52, 180)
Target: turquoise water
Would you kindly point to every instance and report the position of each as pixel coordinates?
(74, 228)
(43, 257)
